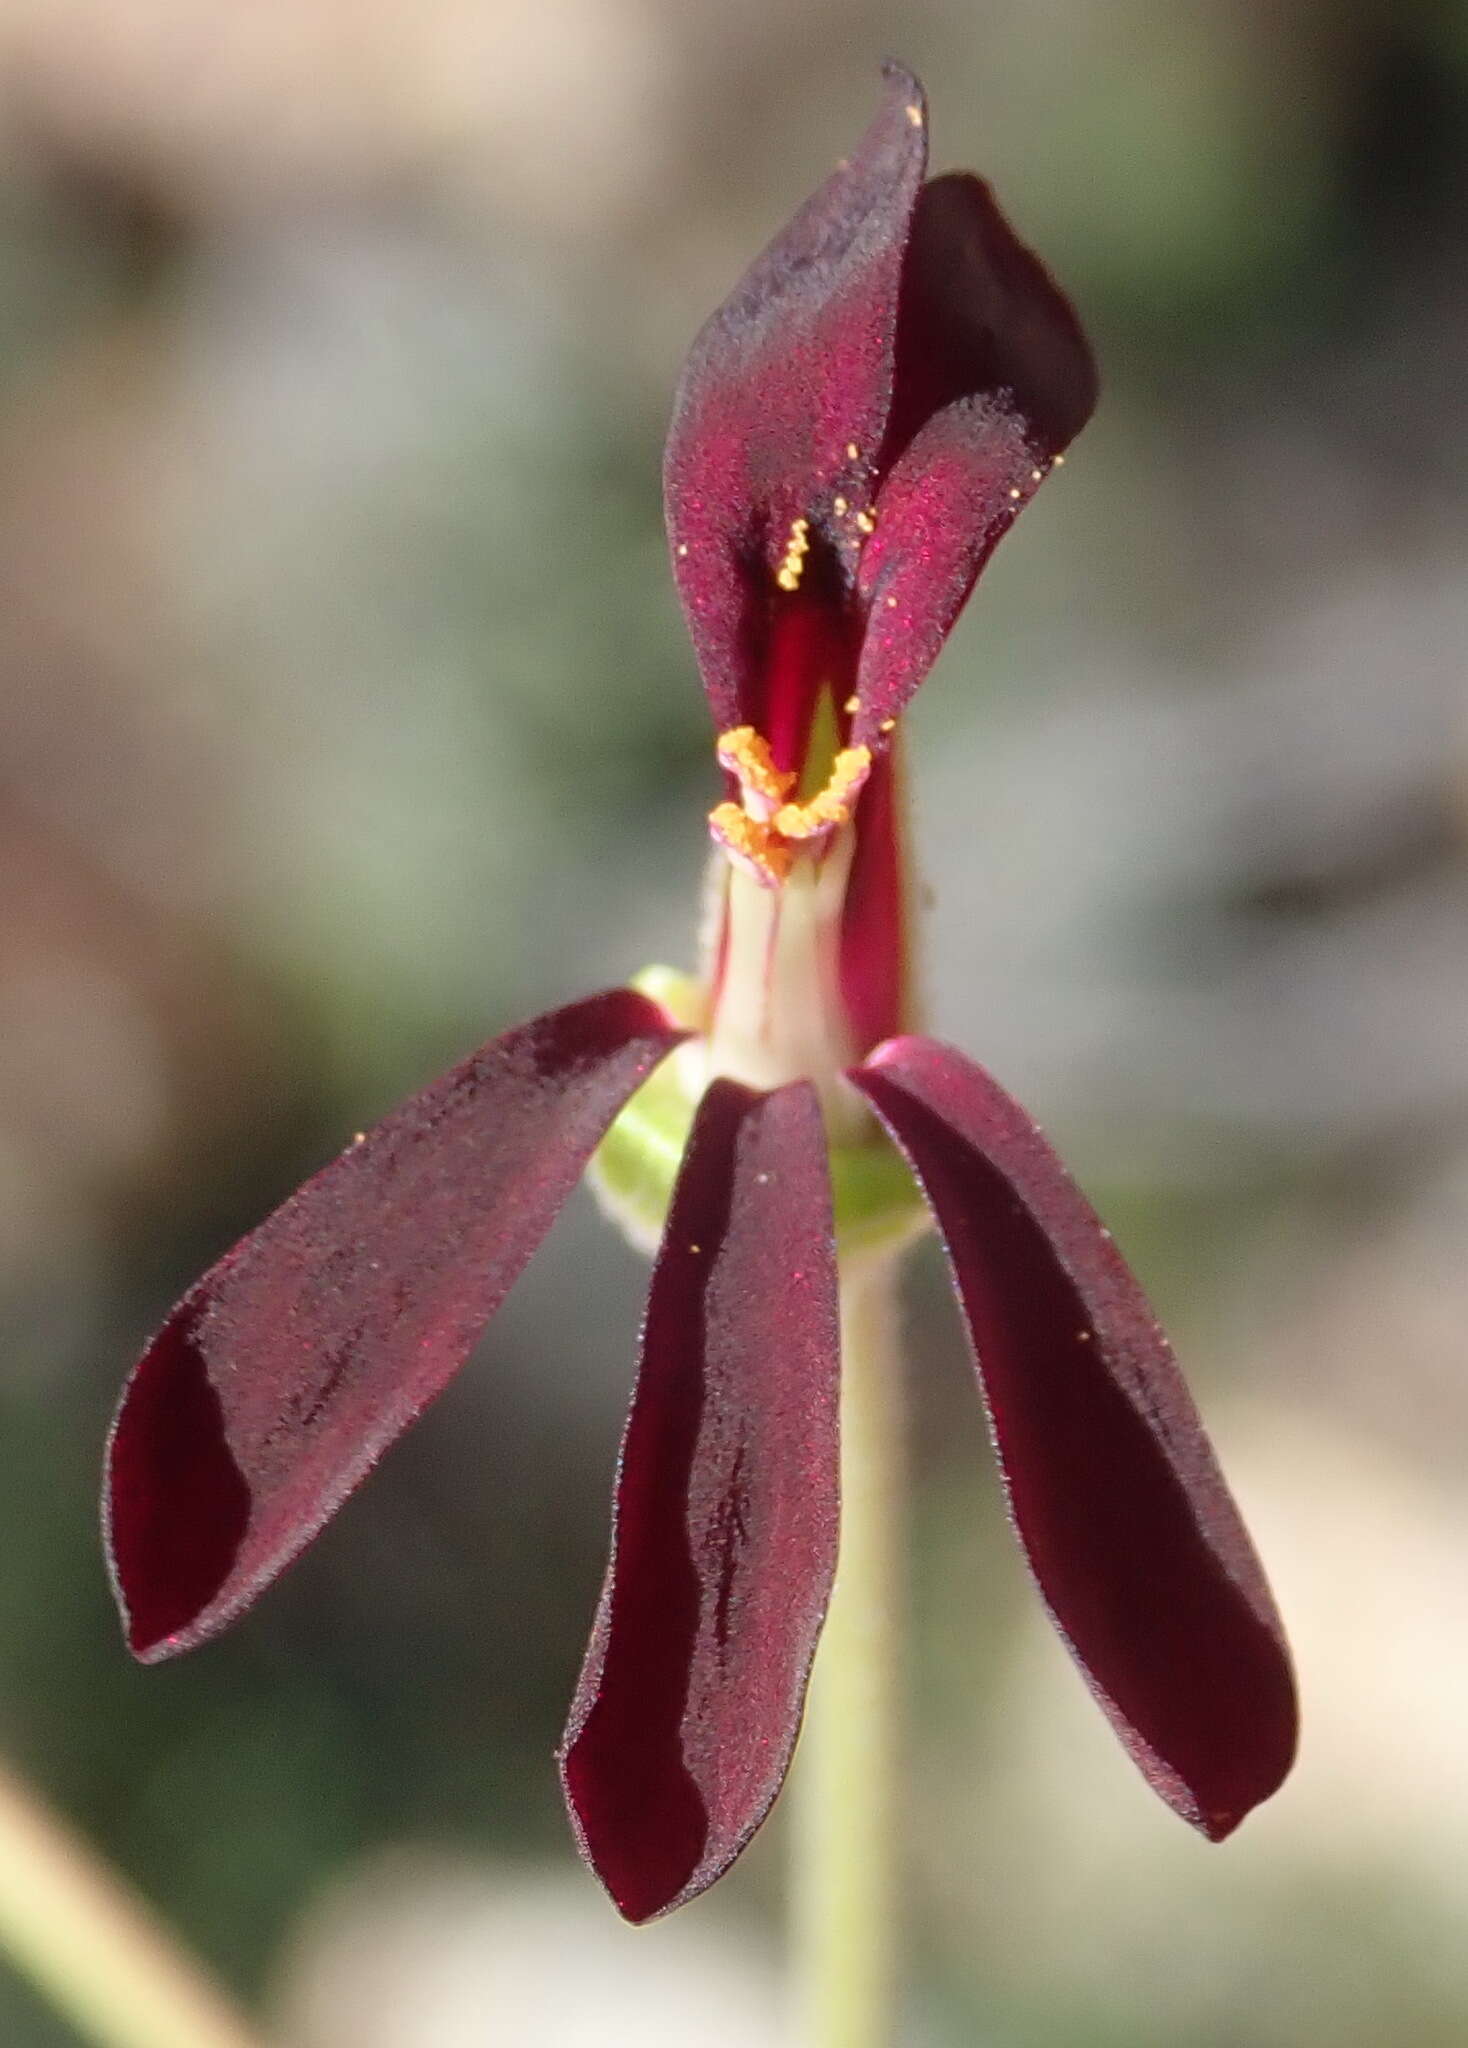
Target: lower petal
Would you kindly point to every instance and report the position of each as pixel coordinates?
(1126, 1522)
(725, 1528)
(283, 1375)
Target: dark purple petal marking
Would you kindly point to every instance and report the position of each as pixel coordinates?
(1129, 1529)
(284, 1374)
(790, 376)
(724, 1539)
(948, 502)
(980, 314)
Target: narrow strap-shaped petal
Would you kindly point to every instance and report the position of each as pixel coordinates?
(283, 1375)
(980, 314)
(1113, 1487)
(724, 1539)
(783, 402)
(943, 509)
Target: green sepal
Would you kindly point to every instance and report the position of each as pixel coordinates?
(876, 1205)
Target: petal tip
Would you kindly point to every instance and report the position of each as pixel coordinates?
(645, 1872)
(1217, 1827)
(901, 79)
(176, 1504)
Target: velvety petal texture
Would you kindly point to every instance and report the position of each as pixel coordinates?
(725, 1528)
(1131, 1534)
(948, 502)
(283, 1375)
(980, 316)
(785, 396)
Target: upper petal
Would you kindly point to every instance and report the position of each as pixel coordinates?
(993, 378)
(784, 399)
(284, 1374)
(724, 1536)
(947, 503)
(981, 315)
(1132, 1536)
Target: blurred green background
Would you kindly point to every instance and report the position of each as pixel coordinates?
(346, 717)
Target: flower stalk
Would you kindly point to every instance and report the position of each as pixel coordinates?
(92, 1948)
(846, 1891)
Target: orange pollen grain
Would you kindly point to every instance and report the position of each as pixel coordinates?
(746, 753)
(762, 831)
(797, 547)
(751, 843)
(831, 806)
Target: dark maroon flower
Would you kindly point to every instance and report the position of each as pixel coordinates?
(856, 428)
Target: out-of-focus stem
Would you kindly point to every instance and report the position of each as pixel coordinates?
(846, 1916)
(92, 1948)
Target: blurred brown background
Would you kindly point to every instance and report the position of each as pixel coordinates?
(345, 717)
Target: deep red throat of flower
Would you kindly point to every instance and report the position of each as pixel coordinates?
(856, 428)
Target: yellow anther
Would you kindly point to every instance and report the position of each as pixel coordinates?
(797, 546)
(762, 831)
(832, 805)
(746, 753)
(751, 843)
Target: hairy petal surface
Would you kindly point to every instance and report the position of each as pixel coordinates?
(980, 314)
(790, 376)
(725, 1529)
(1113, 1488)
(946, 505)
(282, 1376)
